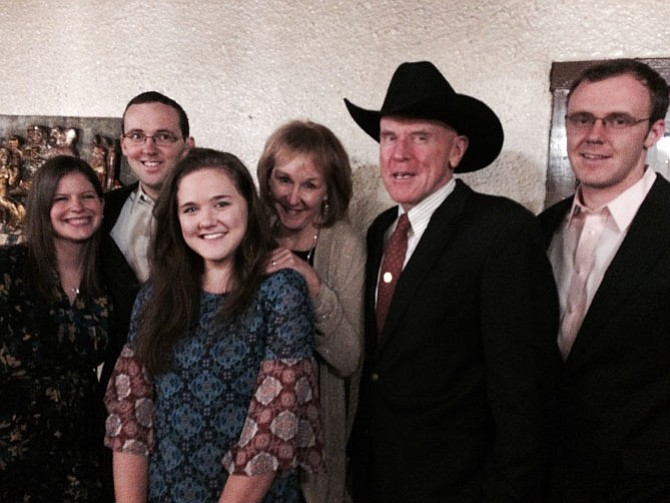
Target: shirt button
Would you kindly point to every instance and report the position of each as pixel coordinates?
(374, 377)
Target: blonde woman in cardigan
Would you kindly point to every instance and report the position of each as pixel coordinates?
(305, 181)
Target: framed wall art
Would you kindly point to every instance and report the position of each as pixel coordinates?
(27, 141)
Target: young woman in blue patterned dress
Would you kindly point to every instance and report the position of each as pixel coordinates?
(214, 398)
(54, 331)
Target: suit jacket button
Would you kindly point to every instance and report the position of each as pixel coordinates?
(374, 377)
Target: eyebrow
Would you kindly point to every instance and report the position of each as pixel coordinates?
(217, 197)
(284, 173)
(163, 130)
(412, 132)
(614, 112)
(75, 193)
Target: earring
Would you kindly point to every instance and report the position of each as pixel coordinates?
(325, 208)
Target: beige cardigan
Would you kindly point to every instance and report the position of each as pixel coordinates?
(339, 261)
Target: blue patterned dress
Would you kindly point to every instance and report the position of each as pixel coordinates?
(50, 421)
(239, 399)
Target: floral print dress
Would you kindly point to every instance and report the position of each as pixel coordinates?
(50, 422)
(241, 398)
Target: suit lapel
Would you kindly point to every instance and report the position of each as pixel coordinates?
(552, 218)
(429, 250)
(114, 202)
(647, 240)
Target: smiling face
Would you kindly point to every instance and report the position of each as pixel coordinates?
(607, 162)
(149, 162)
(212, 215)
(417, 157)
(76, 210)
(298, 190)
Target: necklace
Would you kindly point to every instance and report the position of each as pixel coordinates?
(70, 276)
(74, 290)
(307, 255)
(72, 293)
(310, 253)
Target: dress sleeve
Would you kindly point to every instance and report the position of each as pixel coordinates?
(129, 398)
(130, 404)
(282, 430)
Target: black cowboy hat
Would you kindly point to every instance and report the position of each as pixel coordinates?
(419, 90)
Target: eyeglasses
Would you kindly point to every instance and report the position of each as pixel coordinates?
(611, 122)
(162, 138)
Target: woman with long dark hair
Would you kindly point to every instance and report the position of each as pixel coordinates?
(214, 398)
(54, 331)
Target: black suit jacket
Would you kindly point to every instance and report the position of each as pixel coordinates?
(613, 440)
(455, 394)
(114, 202)
(122, 285)
(119, 278)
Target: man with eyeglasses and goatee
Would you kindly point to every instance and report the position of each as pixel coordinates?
(609, 245)
(154, 139)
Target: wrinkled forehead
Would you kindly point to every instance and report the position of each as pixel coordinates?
(392, 126)
(395, 121)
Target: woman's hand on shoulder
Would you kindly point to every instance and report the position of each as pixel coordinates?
(283, 258)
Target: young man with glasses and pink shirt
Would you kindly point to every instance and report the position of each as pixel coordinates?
(609, 245)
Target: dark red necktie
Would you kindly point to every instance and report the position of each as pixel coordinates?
(394, 257)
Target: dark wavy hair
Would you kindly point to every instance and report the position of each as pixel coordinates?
(325, 150)
(176, 270)
(39, 232)
(655, 83)
(156, 97)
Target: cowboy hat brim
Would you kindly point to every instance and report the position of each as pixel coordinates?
(468, 116)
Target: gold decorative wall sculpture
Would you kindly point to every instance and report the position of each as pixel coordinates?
(26, 142)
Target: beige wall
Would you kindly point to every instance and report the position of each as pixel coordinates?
(241, 68)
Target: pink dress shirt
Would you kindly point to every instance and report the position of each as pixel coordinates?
(583, 248)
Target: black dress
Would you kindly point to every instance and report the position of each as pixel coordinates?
(49, 416)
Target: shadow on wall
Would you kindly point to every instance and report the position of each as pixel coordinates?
(369, 197)
(514, 176)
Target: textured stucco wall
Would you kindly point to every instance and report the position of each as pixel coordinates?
(242, 68)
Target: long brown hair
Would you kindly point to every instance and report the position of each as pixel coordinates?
(176, 270)
(41, 260)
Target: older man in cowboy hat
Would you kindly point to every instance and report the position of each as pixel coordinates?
(461, 313)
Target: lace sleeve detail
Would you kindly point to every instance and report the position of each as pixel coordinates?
(130, 404)
(282, 430)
